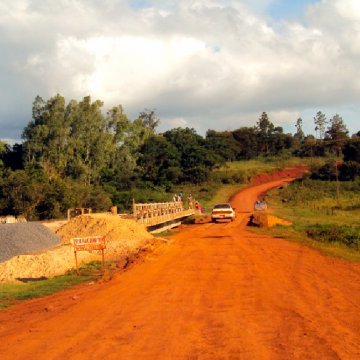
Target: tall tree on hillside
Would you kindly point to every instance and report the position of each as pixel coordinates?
(337, 133)
(140, 130)
(299, 135)
(149, 118)
(265, 130)
(46, 136)
(320, 124)
(91, 143)
(246, 139)
(159, 161)
(222, 143)
(196, 161)
(118, 125)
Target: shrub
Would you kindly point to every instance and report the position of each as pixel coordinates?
(346, 235)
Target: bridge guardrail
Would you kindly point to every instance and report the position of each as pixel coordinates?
(157, 213)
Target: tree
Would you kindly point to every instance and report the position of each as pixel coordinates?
(21, 192)
(159, 161)
(320, 123)
(196, 161)
(149, 118)
(299, 135)
(265, 130)
(246, 139)
(46, 137)
(118, 124)
(222, 143)
(351, 150)
(337, 133)
(90, 142)
(13, 157)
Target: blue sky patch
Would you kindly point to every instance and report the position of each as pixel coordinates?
(289, 9)
(140, 4)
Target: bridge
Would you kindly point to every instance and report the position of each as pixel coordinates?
(161, 216)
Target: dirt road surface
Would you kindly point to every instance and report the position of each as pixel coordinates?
(215, 291)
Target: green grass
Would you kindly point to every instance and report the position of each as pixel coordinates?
(13, 293)
(318, 219)
(233, 176)
(242, 171)
(311, 201)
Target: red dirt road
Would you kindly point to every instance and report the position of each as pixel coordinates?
(215, 291)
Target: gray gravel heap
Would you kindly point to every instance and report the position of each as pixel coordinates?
(25, 238)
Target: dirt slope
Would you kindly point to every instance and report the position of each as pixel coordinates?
(214, 292)
(123, 238)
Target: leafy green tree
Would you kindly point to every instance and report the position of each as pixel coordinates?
(308, 146)
(46, 137)
(337, 133)
(193, 153)
(159, 161)
(280, 141)
(149, 119)
(351, 150)
(118, 124)
(265, 130)
(21, 192)
(246, 139)
(299, 135)
(320, 124)
(90, 142)
(222, 143)
(349, 170)
(13, 157)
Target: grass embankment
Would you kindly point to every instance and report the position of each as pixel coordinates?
(319, 218)
(12, 293)
(231, 177)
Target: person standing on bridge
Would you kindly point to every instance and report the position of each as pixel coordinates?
(190, 202)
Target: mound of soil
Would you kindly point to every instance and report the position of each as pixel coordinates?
(124, 238)
(110, 226)
(24, 238)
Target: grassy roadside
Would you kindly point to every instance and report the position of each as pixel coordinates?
(318, 220)
(233, 176)
(12, 293)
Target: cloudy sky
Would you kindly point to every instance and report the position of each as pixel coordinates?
(214, 64)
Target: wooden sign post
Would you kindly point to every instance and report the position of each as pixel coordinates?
(89, 243)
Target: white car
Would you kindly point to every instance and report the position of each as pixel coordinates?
(222, 211)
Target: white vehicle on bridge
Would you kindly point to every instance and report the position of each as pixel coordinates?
(223, 211)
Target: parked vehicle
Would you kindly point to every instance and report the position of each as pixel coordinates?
(260, 205)
(222, 211)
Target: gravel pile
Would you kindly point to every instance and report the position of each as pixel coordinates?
(25, 238)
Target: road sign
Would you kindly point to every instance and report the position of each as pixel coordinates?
(89, 243)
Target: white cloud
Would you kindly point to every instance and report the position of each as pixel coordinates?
(209, 63)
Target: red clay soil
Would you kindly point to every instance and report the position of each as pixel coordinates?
(294, 172)
(215, 291)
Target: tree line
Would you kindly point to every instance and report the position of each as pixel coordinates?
(74, 154)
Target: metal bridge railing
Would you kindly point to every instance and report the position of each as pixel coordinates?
(158, 213)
